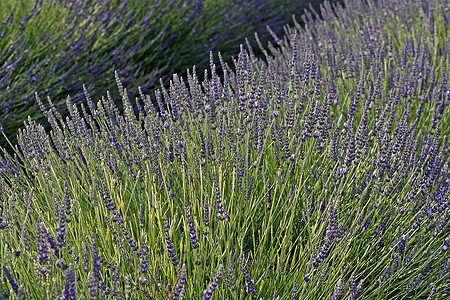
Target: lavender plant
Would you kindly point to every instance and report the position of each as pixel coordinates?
(320, 171)
(54, 47)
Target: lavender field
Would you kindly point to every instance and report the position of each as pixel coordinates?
(313, 167)
(54, 47)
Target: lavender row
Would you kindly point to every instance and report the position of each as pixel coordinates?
(320, 171)
(54, 47)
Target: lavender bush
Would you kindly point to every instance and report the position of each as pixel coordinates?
(54, 47)
(318, 172)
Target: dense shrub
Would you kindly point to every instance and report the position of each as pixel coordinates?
(54, 47)
(321, 171)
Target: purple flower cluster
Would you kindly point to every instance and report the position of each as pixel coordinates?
(3, 223)
(230, 276)
(70, 286)
(95, 259)
(12, 282)
(180, 287)
(62, 219)
(143, 255)
(332, 234)
(339, 290)
(43, 253)
(249, 283)
(294, 294)
(169, 246)
(192, 229)
(205, 214)
(355, 290)
(207, 294)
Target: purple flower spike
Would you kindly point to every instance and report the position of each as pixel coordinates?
(269, 199)
(294, 295)
(143, 255)
(61, 229)
(70, 286)
(3, 223)
(11, 280)
(402, 245)
(207, 294)
(42, 244)
(446, 244)
(339, 289)
(249, 283)
(141, 217)
(92, 286)
(95, 258)
(169, 247)
(221, 212)
(192, 230)
(205, 214)
(178, 293)
(231, 278)
(355, 290)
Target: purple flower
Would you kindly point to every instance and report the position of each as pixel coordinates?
(221, 212)
(3, 223)
(130, 240)
(115, 285)
(332, 233)
(61, 264)
(25, 239)
(355, 290)
(178, 292)
(205, 214)
(249, 283)
(17, 252)
(61, 229)
(294, 291)
(141, 217)
(169, 247)
(382, 226)
(192, 230)
(365, 225)
(402, 244)
(207, 294)
(231, 277)
(143, 255)
(70, 286)
(53, 244)
(433, 289)
(95, 258)
(447, 241)
(269, 199)
(92, 285)
(339, 289)
(43, 258)
(11, 280)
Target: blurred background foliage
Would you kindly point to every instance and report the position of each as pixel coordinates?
(54, 47)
